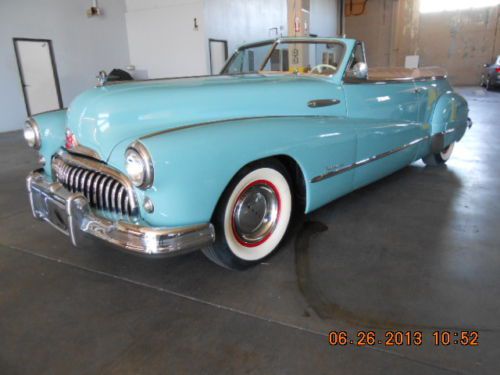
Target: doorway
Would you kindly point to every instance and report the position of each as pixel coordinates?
(38, 74)
(218, 55)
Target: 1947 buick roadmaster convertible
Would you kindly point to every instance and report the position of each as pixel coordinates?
(219, 163)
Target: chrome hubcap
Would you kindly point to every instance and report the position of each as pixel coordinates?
(255, 213)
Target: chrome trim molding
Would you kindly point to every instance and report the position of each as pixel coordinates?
(111, 83)
(355, 81)
(184, 127)
(145, 155)
(36, 129)
(102, 168)
(360, 163)
(316, 103)
(85, 151)
(70, 213)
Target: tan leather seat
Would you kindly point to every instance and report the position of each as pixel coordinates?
(400, 73)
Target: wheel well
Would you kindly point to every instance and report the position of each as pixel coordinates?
(296, 175)
(298, 180)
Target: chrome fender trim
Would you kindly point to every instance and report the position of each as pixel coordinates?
(437, 145)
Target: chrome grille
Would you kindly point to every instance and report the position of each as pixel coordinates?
(102, 190)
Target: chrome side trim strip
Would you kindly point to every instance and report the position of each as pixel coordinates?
(154, 134)
(360, 163)
(354, 81)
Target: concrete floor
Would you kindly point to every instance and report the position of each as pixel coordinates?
(419, 250)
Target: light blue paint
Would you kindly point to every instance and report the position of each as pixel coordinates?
(52, 131)
(250, 117)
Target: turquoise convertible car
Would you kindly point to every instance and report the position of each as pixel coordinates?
(220, 163)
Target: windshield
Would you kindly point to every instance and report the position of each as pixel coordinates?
(311, 57)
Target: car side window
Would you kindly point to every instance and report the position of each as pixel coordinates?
(358, 55)
(356, 70)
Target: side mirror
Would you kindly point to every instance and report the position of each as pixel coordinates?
(360, 70)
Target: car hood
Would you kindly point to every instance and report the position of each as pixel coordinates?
(102, 117)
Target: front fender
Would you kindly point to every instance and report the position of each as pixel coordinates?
(193, 165)
(52, 127)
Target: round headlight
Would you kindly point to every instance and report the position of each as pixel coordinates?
(139, 165)
(32, 134)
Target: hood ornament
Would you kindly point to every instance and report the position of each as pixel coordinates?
(102, 78)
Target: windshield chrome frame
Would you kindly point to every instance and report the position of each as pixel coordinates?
(273, 43)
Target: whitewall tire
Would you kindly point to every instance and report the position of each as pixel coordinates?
(252, 216)
(439, 158)
(446, 153)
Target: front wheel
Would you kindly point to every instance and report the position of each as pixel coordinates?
(439, 158)
(252, 216)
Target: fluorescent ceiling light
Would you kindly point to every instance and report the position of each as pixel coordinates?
(431, 6)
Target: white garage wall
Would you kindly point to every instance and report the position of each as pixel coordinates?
(240, 21)
(324, 17)
(163, 41)
(82, 47)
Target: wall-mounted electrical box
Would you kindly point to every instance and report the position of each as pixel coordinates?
(94, 11)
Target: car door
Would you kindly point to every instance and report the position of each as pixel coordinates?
(388, 126)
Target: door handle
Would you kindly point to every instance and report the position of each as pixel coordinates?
(418, 90)
(322, 102)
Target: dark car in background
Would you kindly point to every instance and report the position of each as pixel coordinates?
(490, 77)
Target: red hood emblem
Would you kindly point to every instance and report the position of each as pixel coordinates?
(71, 141)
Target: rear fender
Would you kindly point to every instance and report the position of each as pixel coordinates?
(448, 120)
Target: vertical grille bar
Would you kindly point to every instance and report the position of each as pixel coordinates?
(119, 199)
(113, 198)
(83, 182)
(102, 190)
(76, 186)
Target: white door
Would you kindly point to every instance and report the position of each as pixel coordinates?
(38, 75)
(218, 55)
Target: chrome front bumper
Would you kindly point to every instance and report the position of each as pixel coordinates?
(71, 214)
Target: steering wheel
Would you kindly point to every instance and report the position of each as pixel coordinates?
(322, 68)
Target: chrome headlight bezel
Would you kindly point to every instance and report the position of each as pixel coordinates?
(35, 140)
(139, 152)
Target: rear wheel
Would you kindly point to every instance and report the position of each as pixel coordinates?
(439, 158)
(252, 216)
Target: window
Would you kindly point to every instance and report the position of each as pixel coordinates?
(431, 6)
(359, 55)
(248, 60)
(301, 57)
